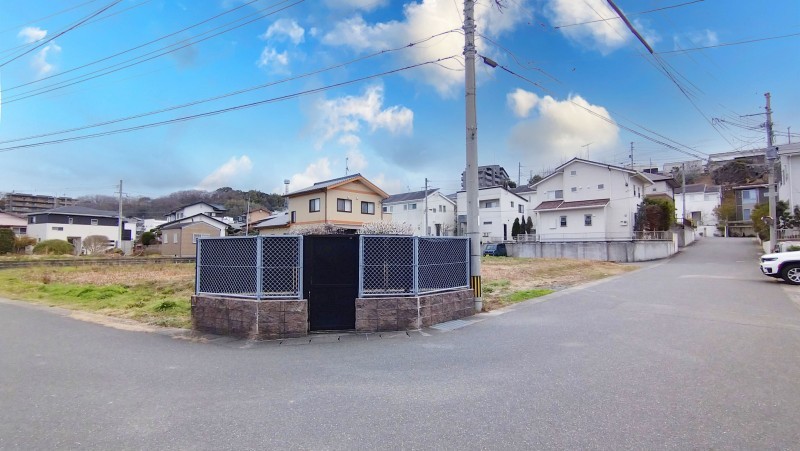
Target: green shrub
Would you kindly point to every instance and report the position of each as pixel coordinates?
(54, 247)
(6, 241)
(793, 248)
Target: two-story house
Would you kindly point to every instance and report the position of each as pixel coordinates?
(498, 207)
(663, 186)
(17, 224)
(789, 177)
(410, 208)
(186, 224)
(584, 200)
(747, 197)
(74, 224)
(345, 202)
(700, 201)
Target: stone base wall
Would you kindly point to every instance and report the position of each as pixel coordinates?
(248, 318)
(404, 313)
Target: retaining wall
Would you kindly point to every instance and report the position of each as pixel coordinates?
(248, 318)
(612, 251)
(405, 313)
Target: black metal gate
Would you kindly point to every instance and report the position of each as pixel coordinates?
(330, 280)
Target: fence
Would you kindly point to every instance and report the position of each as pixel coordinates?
(410, 266)
(595, 236)
(260, 267)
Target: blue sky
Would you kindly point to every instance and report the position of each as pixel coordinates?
(396, 129)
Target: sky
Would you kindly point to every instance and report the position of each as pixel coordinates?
(170, 95)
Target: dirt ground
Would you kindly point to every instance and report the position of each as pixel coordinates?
(504, 276)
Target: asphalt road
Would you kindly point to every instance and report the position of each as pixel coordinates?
(699, 351)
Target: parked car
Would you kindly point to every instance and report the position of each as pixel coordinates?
(785, 265)
(495, 250)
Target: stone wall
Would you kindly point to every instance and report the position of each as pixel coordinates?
(248, 318)
(404, 313)
(612, 251)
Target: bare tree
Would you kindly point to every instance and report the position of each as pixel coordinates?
(95, 244)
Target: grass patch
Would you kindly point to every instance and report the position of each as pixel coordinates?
(524, 295)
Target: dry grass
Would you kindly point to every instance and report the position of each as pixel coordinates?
(502, 276)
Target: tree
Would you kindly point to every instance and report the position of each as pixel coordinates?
(95, 244)
(758, 214)
(515, 228)
(655, 215)
(535, 179)
(148, 238)
(6, 241)
(529, 225)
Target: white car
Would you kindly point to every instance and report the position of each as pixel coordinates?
(785, 265)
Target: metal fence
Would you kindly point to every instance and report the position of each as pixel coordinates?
(260, 267)
(410, 265)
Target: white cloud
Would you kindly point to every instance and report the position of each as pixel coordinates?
(521, 102)
(703, 38)
(356, 161)
(605, 36)
(346, 115)
(424, 19)
(40, 63)
(315, 172)
(31, 34)
(560, 128)
(389, 185)
(365, 5)
(285, 28)
(271, 59)
(227, 173)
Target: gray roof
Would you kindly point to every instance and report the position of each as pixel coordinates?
(523, 189)
(277, 220)
(325, 184)
(408, 197)
(698, 188)
(216, 207)
(77, 211)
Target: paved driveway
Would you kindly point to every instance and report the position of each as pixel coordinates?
(699, 351)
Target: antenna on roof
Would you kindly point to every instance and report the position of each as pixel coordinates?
(347, 166)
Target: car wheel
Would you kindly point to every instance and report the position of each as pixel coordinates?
(791, 273)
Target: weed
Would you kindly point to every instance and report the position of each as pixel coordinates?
(137, 304)
(166, 305)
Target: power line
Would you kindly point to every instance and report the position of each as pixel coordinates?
(46, 41)
(632, 14)
(47, 16)
(224, 110)
(229, 94)
(728, 44)
(187, 42)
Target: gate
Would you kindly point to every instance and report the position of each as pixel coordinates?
(330, 281)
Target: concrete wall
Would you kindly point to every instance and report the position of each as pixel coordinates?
(613, 251)
(404, 313)
(248, 318)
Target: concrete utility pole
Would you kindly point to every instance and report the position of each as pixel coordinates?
(771, 155)
(631, 155)
(426, 206)
(119, 219)
(683, 198)
(473, 222)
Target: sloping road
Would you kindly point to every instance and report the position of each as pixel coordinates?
(699, 351)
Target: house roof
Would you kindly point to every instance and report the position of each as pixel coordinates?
(698, 188)
(215, 207)
(10, 219)
(333, 183)
(560, 170)
(412, 196)
(561, 205)
(277, 220)
(77, 211)
(179, 223)
(498, 187)
(523, 189)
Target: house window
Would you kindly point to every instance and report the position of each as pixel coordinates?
(313, 205)
(563, 221)
(521, 208)
(574, 189)
(746, 214)
(512, 204)
(410, 207)
(69, 220)
(195, 236)
(587, 220)
(442, 208)
(749, 194)
(601, 186)
(368, 208)
(175, 238)
(345, 205)
(293, 217)
(58, 229)
(494, 203)
(487, 222)
(94, 221)
(385, 209)
(573, 172)
(555, 195)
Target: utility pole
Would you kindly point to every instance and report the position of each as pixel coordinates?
(473, 224)
(426, 206)
(771, 155)
(683, 198)
(247, 217)
(519, 173)
(119, 219)
(631, 155)
(789, 134)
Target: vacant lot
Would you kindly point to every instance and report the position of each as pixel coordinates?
(159, 294)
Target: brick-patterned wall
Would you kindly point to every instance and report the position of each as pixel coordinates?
(247, 318)
(403, 313)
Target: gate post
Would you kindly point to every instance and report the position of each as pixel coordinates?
(197, 261)
(299, 272)
(361, 266)
(416, 265)
(259, 269)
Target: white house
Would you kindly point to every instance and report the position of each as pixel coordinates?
(663, 186)
(210, 210)
(789, 180)
(410, 207)
(528, 193)
(17, 224)
(74, 224)
(584, 200)
(497, 210)
(701, 200)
